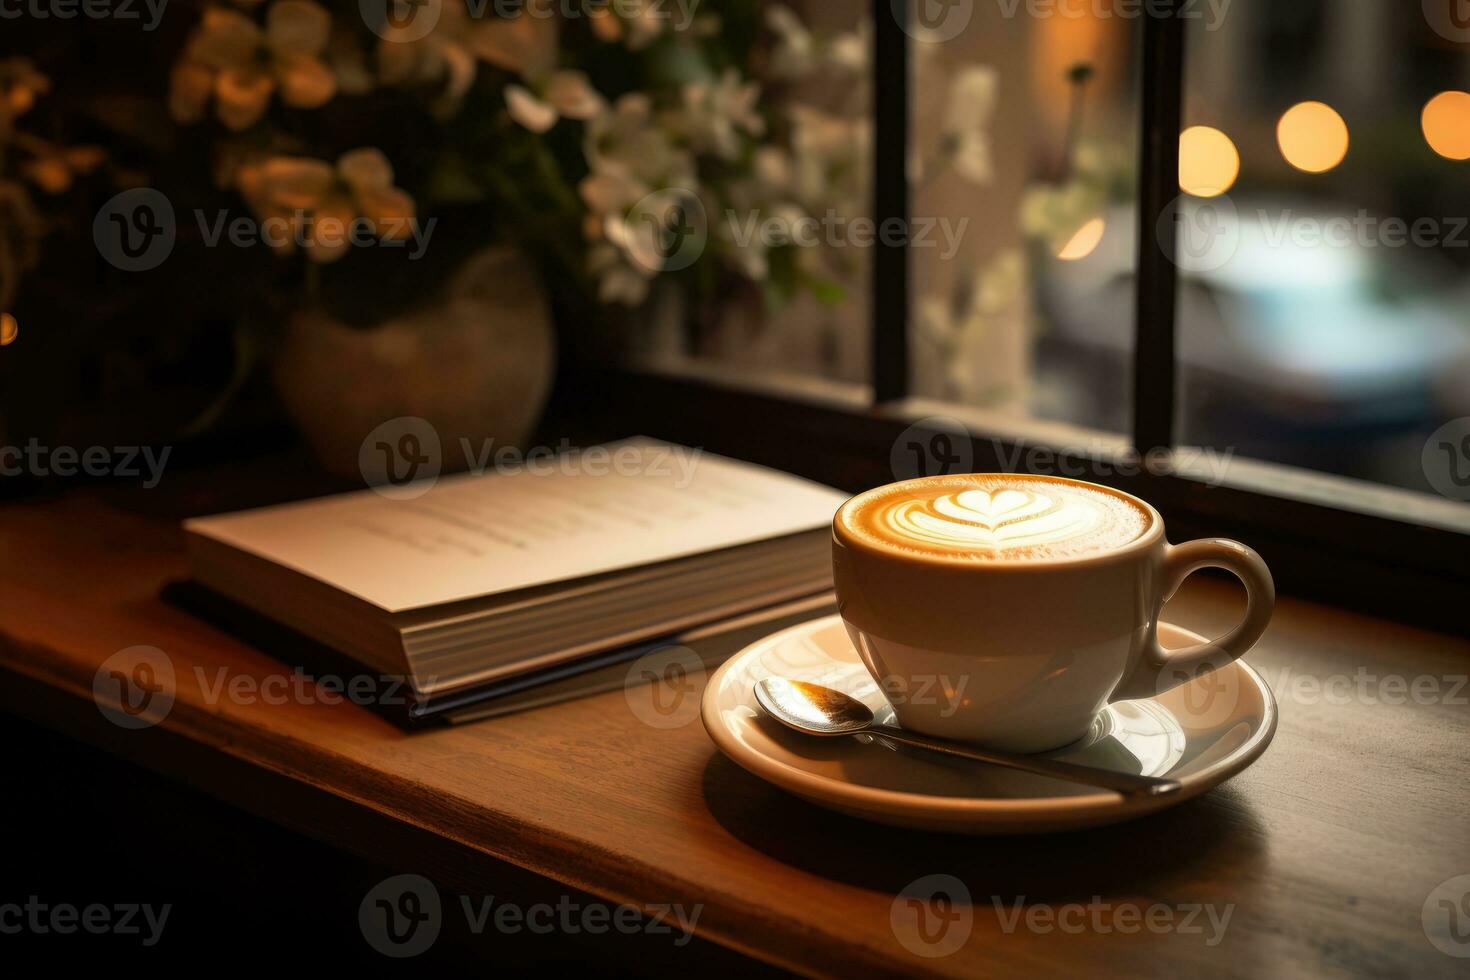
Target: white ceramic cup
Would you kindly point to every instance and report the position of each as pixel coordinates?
(1021, 655)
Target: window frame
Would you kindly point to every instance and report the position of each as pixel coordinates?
(1393, 552)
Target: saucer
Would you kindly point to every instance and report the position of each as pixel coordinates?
(1200, 733)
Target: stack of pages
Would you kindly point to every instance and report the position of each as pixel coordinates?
(483, 579)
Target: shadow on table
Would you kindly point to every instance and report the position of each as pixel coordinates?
(1150, 854)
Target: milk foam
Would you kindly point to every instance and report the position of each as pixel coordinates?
(972, 518)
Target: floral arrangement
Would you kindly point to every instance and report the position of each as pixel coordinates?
(446, 125)
(556, 127)
(29, 165)
(544, 125)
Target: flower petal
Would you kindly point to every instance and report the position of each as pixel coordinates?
(241, 95)
(298, 27)
(224, 39)
(305, 82)
(398, 61)
(366, 169)
(573, 95)
(50, 173)
(525, 44)
(190, 84)
(606, 193)
(390, 210)
(972, 159)
(605, 24)
(348, 62)
(461, 67)
(529, 111)
(971, 101)
(329, 235)
(296, 183)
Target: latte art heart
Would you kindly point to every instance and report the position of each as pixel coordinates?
(977, 518)
(974, 518)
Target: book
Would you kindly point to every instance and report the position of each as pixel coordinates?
(486, 582)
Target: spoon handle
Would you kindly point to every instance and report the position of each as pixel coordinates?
(1126, 783)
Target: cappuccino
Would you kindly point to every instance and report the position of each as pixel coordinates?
(996, 517)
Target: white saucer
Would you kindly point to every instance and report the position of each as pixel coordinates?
(1200, 734)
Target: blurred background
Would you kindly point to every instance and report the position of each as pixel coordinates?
(515, 172)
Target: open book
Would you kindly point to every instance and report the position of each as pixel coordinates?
(484, 578)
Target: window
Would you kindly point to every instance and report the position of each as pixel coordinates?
(1311, 401)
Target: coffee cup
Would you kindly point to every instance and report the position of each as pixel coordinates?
(1008, 610)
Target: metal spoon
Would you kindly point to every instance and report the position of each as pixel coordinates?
(816, 710)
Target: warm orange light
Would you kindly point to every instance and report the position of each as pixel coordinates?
(1447, 125)
(9, 329)
(1313, 137)
(1208, 162)
(1085, 242)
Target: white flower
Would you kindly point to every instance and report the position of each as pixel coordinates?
(967, 116)
(619, 281)
(628, 141)
(752, 201)
(606, 193)
(563, 93)
(525, 45)
(851, 50)
(795, 54)
(799, 53)
(442, 55)
(231, 58)
(1056, 212)
(714, 115)
(830, 160)
(961, 328)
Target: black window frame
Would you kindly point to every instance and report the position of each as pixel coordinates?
(1377, 548)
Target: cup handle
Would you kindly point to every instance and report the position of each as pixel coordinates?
(1161, 670)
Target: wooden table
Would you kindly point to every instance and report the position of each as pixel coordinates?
(1325, 851)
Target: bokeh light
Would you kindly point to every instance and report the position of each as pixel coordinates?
(1208, 162)
(1313, 137)
(9, 329)
(1085, 242)
(1447, 125)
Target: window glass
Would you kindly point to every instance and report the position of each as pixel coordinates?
(1324, 311)
(1025, 164)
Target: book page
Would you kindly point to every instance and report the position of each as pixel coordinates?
(583, 513)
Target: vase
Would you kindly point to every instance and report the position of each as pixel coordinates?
(476, 364)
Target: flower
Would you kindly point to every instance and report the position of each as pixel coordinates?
(619, 281)
(967, 115)
(636, 22)
(962, 329)
(231, 58)
(765, 193)
(714, 114)
(348, 63)
(53, 168)
(320, 203)
(627, 140)
(799, 54)
(562, 93)
(20, 84)
(630, 155)
(829, 160)
(525, 45)
(795, 54)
